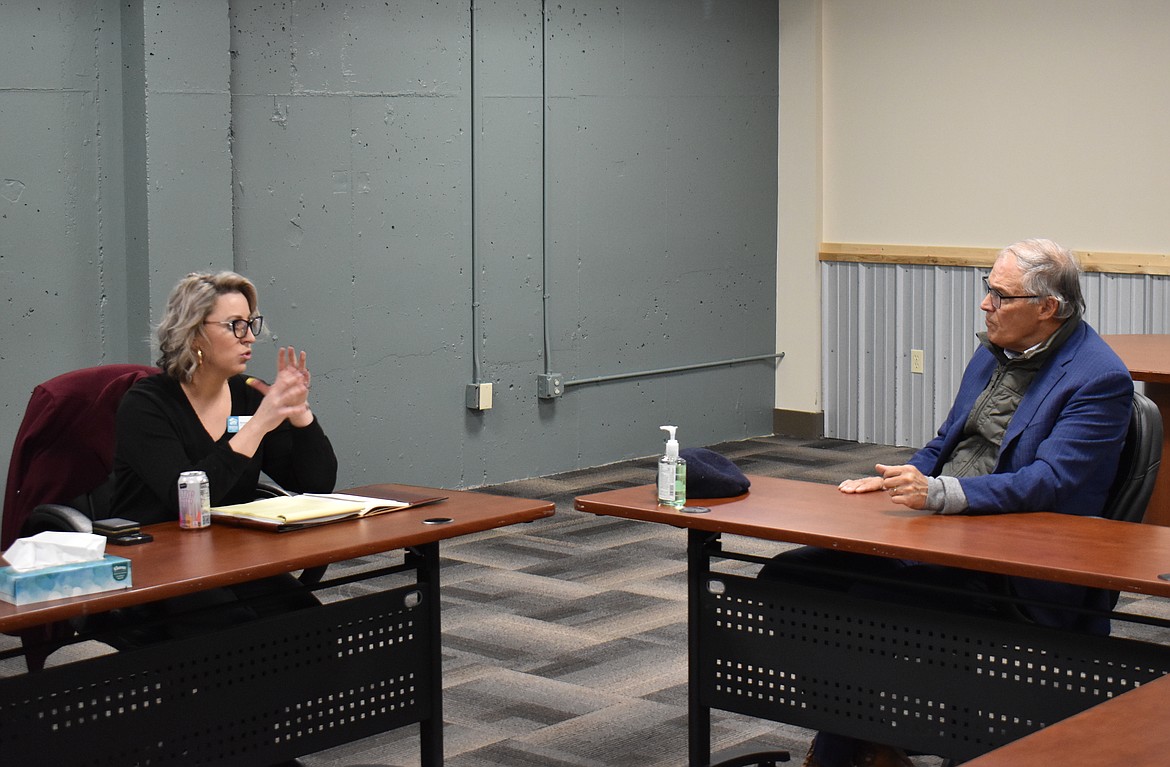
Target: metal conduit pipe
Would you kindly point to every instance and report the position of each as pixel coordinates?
(544, 291)
(476, 312)
(676, 369)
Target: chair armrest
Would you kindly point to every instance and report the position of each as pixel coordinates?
(269, 490)
(56, 516)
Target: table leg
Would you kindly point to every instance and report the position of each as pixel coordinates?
(698, 715)
(426, 559)
(1158, 510)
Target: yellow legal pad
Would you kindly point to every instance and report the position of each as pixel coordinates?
(291, 512)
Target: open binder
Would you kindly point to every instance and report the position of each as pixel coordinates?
(295, 512)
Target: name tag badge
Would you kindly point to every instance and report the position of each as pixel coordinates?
(236, 422)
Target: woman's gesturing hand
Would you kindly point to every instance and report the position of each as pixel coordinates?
(288, 395)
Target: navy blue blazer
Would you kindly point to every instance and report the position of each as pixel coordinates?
(1060, 450)
(1059, 453)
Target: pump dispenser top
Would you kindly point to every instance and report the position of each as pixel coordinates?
(671, 442)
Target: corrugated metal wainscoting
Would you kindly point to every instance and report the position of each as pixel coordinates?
(874, 314)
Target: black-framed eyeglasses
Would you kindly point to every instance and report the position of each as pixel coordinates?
(240, 328)
(998, 298)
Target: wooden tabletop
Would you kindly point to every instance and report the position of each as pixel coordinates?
(1127, 731)
(1059, 547)
(1147, 357)
(184, 561)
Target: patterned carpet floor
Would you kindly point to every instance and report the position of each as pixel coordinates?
(565, 639)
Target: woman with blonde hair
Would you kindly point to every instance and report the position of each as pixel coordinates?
(202, 413)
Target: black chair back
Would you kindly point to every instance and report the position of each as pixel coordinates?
(1138, 468)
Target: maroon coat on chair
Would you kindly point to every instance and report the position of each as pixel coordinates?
(65, 444)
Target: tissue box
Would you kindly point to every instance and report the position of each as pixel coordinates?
(61, 581)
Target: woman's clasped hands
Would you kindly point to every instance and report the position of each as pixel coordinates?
(287, 397)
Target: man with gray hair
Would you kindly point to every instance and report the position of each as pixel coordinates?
(1042, 409)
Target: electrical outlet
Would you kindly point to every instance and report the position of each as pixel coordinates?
(917, 361)
(479, 396)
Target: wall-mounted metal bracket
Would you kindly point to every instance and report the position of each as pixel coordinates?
(550, 385)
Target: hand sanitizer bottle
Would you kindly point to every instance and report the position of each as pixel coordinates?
(672, 473)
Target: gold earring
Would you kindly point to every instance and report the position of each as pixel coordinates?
(199, 354)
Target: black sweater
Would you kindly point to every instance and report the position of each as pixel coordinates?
(159, 436)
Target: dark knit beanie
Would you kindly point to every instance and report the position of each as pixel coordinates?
(710, 475)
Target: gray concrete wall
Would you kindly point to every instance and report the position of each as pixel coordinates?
(425, 195)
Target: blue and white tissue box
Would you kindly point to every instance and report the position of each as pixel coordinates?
(61, 581)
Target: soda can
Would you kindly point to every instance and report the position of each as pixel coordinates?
(194, 500)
